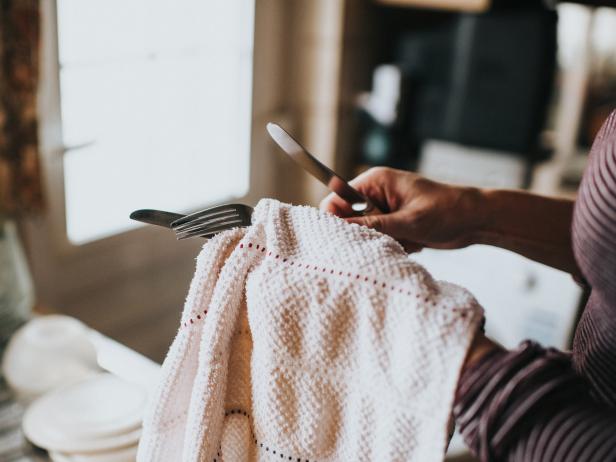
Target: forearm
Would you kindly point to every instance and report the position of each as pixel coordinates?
(535, 226)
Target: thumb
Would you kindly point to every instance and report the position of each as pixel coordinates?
(384, 223)
(392, 224)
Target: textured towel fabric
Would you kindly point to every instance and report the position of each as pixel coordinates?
(306, 338)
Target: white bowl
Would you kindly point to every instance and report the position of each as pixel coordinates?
(48, 352)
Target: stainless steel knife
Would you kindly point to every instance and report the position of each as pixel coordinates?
(360, 204)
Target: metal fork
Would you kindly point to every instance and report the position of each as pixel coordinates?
(209, 222)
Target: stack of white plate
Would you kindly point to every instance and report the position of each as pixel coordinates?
(96, 420)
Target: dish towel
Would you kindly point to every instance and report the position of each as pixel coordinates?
(306, 338)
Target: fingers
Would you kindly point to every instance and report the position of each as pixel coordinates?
(391, 224)
(336, 205)
(370, 183)
(377, 222)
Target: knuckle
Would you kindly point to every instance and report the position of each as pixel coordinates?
(374, 222)
(380, 171)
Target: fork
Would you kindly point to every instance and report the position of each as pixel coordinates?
(209, 222)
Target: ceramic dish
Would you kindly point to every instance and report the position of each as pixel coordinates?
(100, 413)
(128, 454)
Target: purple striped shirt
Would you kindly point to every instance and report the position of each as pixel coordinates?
(534, 404)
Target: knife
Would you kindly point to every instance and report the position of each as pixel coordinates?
(155, 217)
(360, 204)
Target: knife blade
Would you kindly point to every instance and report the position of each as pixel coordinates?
(334, 182)
(155, 217)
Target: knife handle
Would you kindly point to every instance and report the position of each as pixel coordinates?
(365, 208)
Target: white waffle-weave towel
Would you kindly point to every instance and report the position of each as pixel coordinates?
(305, 338)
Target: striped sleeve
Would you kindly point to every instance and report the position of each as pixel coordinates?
(528, 405)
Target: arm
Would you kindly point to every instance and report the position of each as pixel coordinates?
(534, 226)
(424, 213)
(528, 405)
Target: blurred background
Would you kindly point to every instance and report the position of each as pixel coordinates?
(115, 105)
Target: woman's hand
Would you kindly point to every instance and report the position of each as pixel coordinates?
(422, 213)
(418, 212)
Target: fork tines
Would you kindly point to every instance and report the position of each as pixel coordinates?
(207, 223)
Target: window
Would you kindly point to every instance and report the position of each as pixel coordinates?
(147, 104)
(155, 100)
